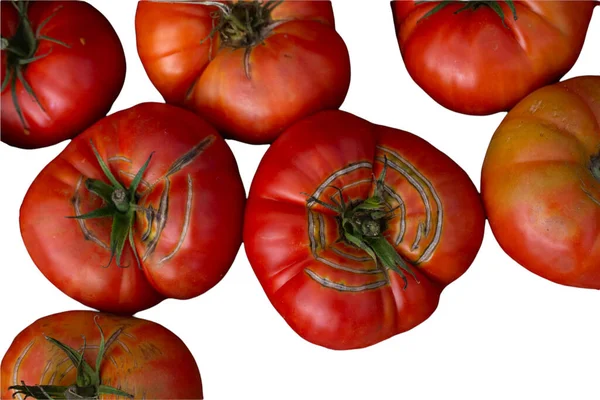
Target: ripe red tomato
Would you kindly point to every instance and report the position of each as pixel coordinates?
(541, 182)
(63, 66)
(251, 68)
(354, 229)
(182, 210)
(122, 357)
(483, 57)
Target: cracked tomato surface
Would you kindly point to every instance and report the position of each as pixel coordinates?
(250, 68)
(482, 57)
(155, 202)
(121, 357)
(63, 66)
(541, 182)
(354, 229)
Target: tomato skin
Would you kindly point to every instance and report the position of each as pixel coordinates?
(203, 204)
(282, 242)
(76, 86)
(147, 361)
(542, 201)
(302, 67)
(471, 63)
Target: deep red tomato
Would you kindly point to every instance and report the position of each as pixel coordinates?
(251, 68)
(354, 229)
(122, 357)
(541, 182)
(63, 66)
(481, 57)
(184, 216)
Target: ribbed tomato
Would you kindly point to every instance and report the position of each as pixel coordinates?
(541, 182)
(482, 57)
(63, 66)
(251, 68)
(354, 229)
(154, 179)
(84, 354)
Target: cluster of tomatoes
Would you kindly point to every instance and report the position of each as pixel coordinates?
(353, 229)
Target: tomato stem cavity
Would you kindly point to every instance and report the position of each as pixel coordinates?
(88, 384)
(120, 205)
(363, 225)
(242, 25)
(472, 6)
(595, 166)
(21, 49)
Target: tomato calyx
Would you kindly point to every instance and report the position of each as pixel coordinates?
(472, 6)
(363, 225)
(120, 205)
(21, 49)
(88, 384)
(242, 25)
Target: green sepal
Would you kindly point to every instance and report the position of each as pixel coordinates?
(105, 169)
(121, 226)
(103, 389)
(85, 374)
(48, 392)
(99, 188)
(390, 258)
(138, 178)
(107, 211)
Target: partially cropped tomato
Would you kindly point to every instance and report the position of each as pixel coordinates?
(155, 202)
(541, 182)
(84, 354)
(482, 57)
(251, 68)
(354, 229)
(63, 66)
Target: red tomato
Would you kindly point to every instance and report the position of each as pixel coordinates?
(62, 69)
(541, 182)
(185, 215)
(122, 357)
(250, 83)
(322, 209)
(487, 57)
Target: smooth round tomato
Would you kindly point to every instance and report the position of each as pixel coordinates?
(541, 182)
(63, 66)
(354, 229)
(251, 68)
(482, 57)
(171, 188)
(121, 357)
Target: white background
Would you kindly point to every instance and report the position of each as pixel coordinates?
(500, 332)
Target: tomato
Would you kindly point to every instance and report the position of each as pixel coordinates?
(171, 191)
(354, 229)
(250, 68)
(541, 182)
(482, 57)
(63, 66)
(122, 357)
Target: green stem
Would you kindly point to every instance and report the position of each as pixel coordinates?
(120, 200)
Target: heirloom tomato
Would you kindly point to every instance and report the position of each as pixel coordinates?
(482, 57)
(63, 66)
(541, 182)
(89, 355)
(354, 229)
(251, 68)
(146, 204)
